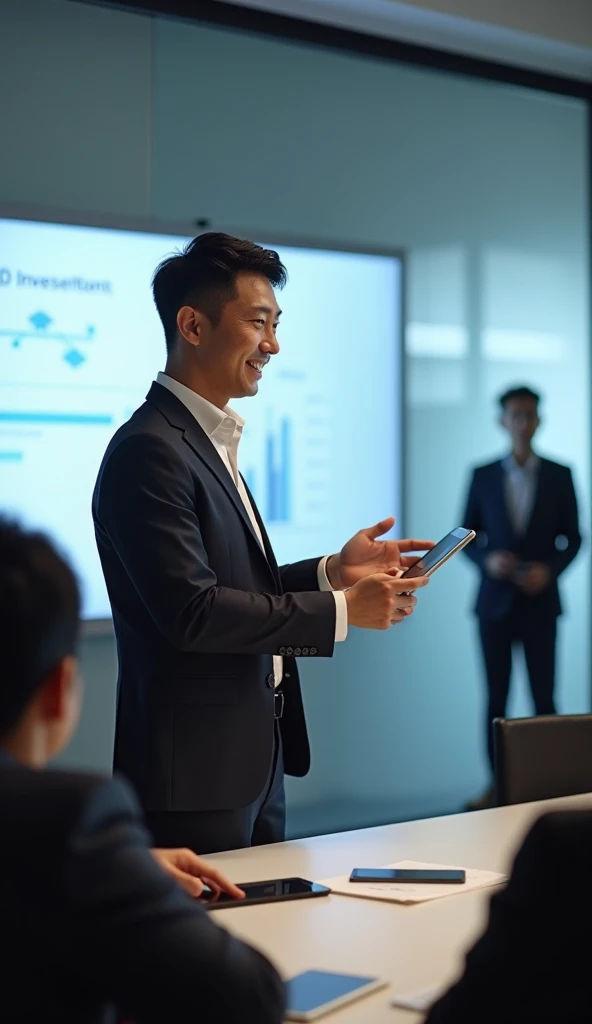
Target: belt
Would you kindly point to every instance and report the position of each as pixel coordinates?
(278, 705)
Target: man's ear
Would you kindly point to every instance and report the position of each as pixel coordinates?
(190, 324)
(55, 692)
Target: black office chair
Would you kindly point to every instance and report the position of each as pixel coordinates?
(540, 758)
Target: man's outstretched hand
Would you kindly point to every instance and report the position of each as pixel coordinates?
(366, 555)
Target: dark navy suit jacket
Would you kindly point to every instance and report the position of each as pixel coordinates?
(199, 611)
(554, 515)
(91, 922)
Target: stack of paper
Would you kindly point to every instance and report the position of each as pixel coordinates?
(421, 1000)
(406, 892)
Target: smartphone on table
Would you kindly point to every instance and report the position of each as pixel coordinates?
(275, 890)
(444, 876)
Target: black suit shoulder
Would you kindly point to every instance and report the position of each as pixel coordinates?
(133, 442)
(532, 962)
(491, 468)
(150, 449)
(147, 425)
(49, 803)
(164, 422)
(43, 813)
(65, 790)
(94, 921)
(559, 472)
(487, 468)
(69, 788)
(556, 466)
(143, 452)
(482, 475)
(556, 839)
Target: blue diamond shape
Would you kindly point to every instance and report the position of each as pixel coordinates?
(40, 320)
(74, 357)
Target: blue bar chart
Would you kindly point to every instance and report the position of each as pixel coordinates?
(278, 471)
(276, 474)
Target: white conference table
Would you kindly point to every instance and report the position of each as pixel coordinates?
(412, 947)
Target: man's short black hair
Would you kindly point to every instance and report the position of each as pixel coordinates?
(204, 275)
(39, 615)
(519, 392)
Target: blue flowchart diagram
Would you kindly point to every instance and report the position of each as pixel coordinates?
(42, 328)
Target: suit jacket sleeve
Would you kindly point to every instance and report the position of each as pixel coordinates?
(472, 520)
(300, 575)
(138, 938)
(568, 527)
(146, 506)
(533, 954)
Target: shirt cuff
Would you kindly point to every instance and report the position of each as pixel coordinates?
(322, 577)
(340, 602)
(340, 615)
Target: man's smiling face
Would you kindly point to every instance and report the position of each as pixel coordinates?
(233, 354)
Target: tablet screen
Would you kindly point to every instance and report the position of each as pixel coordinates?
(313, 989)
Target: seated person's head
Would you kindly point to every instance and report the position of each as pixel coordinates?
(40, 691)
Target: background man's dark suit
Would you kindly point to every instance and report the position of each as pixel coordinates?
(199, 611)
(505, 615)
(89, 919)
(532, 965)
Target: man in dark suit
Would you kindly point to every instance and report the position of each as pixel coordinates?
(208, 626)
(524, 511)
(532, 965)
(90, 920)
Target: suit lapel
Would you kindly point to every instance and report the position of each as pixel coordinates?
(540, 495)
(266, 542)
(501, 499)
(180, 417)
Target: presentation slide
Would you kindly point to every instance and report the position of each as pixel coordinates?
(81, 343)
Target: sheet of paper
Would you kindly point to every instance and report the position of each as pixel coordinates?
(405, 892)
(421, 1000)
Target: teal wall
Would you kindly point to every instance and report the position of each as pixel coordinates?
(484, 186)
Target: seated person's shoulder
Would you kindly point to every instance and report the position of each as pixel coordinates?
(557, 849)
(47, 806)
(558, 833)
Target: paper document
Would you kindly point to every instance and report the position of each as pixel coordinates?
(406, 892)
(421, 1000)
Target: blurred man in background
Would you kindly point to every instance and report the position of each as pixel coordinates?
(524, 510)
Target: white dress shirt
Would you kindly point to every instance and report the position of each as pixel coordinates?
(224, 428)
(521, 484)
